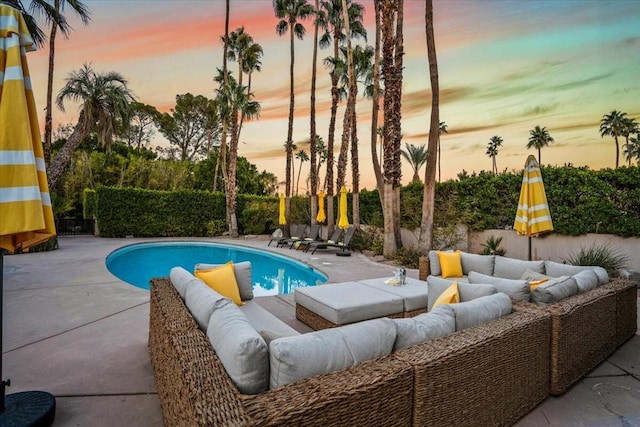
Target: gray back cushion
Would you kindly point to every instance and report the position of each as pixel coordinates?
(434, 263)
(201, 300)
(437, 323)
(437, 285)
(181, 280)
(516, 289)
(481, 310)
(296, 358)
(556, 269)
(480, 263)
(242, 351)
(586, 280)
(511, 268)
(554, 290)
(244, 277)
(532, 276)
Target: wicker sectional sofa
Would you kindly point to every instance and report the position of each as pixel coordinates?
(491, 374)
(585, 328)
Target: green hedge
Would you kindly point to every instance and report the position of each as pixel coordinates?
(581, 201)
(88, 203)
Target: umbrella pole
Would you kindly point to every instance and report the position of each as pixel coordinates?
(529, 248)
(4, 383)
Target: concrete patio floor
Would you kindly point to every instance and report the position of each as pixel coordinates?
(73, 329)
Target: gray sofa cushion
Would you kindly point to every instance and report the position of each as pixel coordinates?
(533, 276)
(437, 285)
(557, 269)
(481, 310)
(434, 263)
(244, 277)
(586, 280)
(437, 323)
(480, 263)
(201, 300)
(181, 279)
(554, 290)
(296, 358)
(516, 289)
(261, 319)
(511, 268)
(241, 349)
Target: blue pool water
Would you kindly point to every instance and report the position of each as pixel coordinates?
(272, 274)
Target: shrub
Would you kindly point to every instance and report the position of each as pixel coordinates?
(408, 256)
(492, 247)
(601, 255)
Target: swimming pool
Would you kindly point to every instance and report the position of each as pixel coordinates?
(272, 274)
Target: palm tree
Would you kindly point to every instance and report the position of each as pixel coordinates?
(416, 155)
(330, 19)
(376, 131)
(313, 136)
(52, 14)
(539, 137)
(495, 142)
(392, 53)
(442, 129)
(613, 124)
(632, 149)
(428, 200)
(290, 12)
(630, 127)
(105, 100)
(247, 53)
(239, 100)
(303, 157)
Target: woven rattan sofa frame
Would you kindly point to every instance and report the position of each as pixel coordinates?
(490, 375)
(195, 390)
(586, 329)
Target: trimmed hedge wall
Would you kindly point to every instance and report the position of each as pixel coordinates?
(581, 201)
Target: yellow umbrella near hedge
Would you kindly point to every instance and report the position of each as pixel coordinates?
(282, 219)
(26, 217)
(343, 221)
(533, 216)
(321, 217)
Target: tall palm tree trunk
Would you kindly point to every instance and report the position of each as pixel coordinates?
(48, 118)
(375, 107)
(59, 163)
(312, 124)
(425, 241)
(289, 147)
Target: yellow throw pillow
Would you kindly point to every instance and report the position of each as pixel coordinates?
(223, 281)
(535, 283)
(450, 263)
(449, 296)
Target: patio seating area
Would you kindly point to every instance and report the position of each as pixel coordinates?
(74, 330)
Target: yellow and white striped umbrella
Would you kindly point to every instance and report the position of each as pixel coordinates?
(26, 217)
(533, 216)
(343, 220)
(282, 218)
(321, 217)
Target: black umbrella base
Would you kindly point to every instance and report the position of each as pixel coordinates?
(343, 253)
(28, 408)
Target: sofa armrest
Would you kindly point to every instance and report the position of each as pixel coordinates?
(492, 374)
(626, 293)
(583, 334)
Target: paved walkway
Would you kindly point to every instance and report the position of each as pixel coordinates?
(74, 330)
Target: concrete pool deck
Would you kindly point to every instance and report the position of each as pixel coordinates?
(74, 330)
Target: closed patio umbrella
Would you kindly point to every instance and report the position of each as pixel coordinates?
(321, 217)
(282, 219)
(343, 220)
(26, 217)
(533, 216)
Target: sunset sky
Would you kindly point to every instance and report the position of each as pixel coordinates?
(505, 67)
